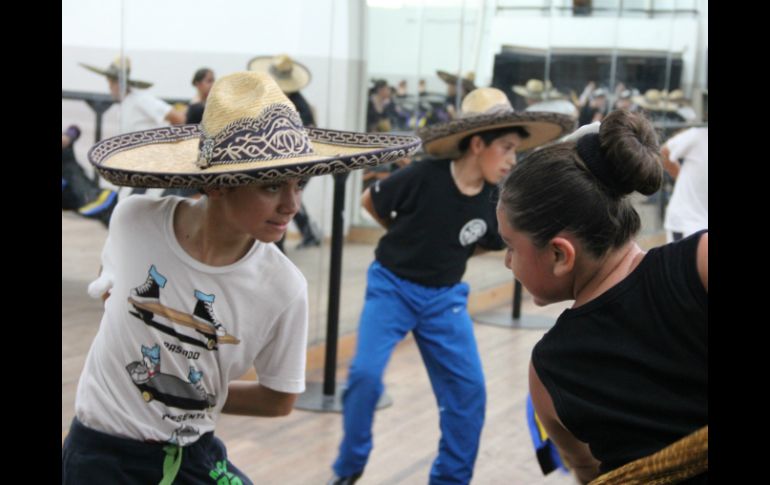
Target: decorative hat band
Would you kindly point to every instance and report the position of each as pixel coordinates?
(276, 134)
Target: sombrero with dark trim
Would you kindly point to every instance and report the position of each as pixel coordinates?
(290, 75)
(487, 109)
(467, 81)
(250, 133)
(115, 71)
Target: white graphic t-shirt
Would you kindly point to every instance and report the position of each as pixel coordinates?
(175, 331)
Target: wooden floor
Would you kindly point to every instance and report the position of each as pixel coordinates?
(300, 448)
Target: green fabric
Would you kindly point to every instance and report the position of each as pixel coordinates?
(171, 464)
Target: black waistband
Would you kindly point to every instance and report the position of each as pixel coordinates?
(82, 435)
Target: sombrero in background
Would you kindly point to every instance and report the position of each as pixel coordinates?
(536, 89)
(290, 75)
(489, 109)
(115, 71)
(653, 100)
(250, 133)
(467, 81)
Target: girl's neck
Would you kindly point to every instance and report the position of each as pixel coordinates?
(599, 276)
(201, 232)
(467, 175)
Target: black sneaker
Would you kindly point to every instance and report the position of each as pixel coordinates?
(350, 480)
(204, 310)
(149, 291)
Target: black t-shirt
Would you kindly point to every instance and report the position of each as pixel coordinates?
(628, 371)
(434, 228)
(303, 108)
(195, 113)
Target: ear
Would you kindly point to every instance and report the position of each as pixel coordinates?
(477, 144)
(563, 253)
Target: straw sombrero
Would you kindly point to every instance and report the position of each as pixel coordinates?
(489, 109)
(536, 89)
(250, 133)
(290, 75)
(467, 81)
(115, 71)
(653, 100)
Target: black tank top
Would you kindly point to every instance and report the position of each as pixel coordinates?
(628, 371)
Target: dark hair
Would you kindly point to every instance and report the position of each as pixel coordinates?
(553, 190)
(491, 135)
(200, 74)
(377, 84)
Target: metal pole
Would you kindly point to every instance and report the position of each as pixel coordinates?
(335, 278)
(326, 397)
(516, 299)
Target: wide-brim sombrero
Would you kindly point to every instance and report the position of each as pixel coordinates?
(250, 133)
(467, 81)
(290, 75)
(551, 93)
(442, 140)
(115, 73)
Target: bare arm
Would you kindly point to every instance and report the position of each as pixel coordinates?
(106, 294)
(368, 204)
(575, 452)
(175, 117)
(703, 260)
(252, 399)
(671, 166)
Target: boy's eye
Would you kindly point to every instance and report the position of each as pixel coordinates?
(272, 188)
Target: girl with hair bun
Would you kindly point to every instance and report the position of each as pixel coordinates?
(624, 371)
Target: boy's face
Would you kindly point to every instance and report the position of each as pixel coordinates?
(499, 157)
(263, 211)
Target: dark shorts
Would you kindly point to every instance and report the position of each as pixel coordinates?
(90, 456)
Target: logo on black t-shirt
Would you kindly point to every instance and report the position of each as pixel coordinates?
(472, 231)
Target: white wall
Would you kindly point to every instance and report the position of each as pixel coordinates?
(168, 40)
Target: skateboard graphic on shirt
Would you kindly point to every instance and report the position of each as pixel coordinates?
(212, 339)
(145, 299)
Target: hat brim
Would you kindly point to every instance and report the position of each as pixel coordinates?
(109, 74)
(448, 78)
(300, 75)
(165, 157)
(443, 140)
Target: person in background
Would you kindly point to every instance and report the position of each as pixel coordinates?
(437, 213)
(203, 79)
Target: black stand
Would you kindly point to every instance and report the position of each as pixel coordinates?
(503, 317)
(328, 397)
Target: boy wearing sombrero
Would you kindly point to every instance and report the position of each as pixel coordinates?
(195, 293)
(438, 213)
